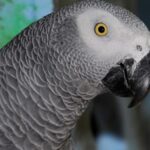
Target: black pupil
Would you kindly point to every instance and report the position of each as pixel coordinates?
(101, 29)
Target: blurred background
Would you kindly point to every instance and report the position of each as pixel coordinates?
(107, 124)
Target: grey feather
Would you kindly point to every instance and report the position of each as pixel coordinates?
(47, 80)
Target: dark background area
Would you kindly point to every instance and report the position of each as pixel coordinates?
(144, 11)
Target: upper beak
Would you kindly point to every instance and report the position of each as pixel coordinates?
(140, 81)
(122, 81)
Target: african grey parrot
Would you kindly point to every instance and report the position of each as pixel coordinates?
(51, 71)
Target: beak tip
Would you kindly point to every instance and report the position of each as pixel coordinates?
(131, 105)
(134, 103)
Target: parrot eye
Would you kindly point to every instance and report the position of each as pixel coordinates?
(101, 29)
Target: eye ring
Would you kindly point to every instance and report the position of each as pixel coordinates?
(101, 29)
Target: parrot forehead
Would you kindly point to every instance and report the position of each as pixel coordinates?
(120, 13)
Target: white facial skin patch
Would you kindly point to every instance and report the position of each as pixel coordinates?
(121, 41)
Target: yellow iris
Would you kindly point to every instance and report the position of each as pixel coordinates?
(101, 29)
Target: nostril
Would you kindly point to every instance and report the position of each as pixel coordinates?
(139, 48)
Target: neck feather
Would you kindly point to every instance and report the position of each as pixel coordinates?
(40, 102)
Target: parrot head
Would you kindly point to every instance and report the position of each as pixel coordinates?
(107, 45)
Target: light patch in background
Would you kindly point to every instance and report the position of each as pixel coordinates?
(37, 8)
(110, 142)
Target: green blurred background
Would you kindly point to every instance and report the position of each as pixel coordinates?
(15, 15)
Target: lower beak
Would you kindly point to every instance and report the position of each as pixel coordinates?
(122, 82)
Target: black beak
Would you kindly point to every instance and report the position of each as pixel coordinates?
(123, 82)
